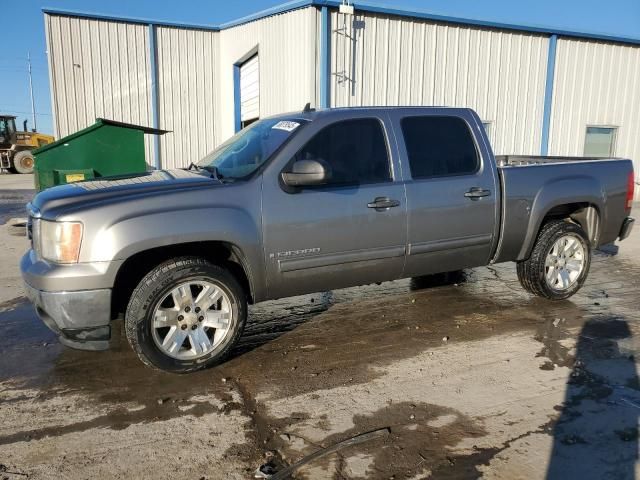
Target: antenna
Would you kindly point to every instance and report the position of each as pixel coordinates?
(307, 108)
(33, 103)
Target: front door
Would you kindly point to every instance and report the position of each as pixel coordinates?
(350, 231)
(452, 192)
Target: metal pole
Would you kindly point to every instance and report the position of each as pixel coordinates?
(33, 103)
(325, 57)
(548, 94)
(155, 109)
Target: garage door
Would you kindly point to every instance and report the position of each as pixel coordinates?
(249, 90)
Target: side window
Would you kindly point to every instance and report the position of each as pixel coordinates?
(439, 146)
(354, 151)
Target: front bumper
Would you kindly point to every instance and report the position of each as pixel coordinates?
(81, 319)
(627, 226)
(80, 315)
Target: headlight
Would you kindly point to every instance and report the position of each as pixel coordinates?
(60, 241)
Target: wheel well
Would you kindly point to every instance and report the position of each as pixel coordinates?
(584, 214)
(137, 266)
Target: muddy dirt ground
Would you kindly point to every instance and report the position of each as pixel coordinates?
(473, 378)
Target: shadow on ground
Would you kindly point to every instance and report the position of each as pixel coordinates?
(601, 407)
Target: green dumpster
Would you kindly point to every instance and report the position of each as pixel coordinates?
(106, 148)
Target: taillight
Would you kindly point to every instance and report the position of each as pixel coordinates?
(630, 187)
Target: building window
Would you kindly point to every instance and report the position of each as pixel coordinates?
(600, 142)
(488, 129)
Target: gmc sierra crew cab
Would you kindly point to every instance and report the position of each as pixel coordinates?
(306, 202)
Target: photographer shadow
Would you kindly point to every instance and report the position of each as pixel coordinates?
(596, 436)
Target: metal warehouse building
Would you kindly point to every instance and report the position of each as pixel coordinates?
(539, 91)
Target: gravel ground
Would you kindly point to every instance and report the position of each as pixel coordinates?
(472, 379)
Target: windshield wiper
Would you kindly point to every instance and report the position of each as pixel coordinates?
(213, 170)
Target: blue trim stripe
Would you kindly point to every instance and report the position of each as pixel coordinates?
(237, 112)
(116, 18)
(364, 7)
(548, 94)
(325, 58)
(391, 10)
(269, 12)
(155, 112)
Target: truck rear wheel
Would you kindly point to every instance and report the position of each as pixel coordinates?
(23, 162)
(185, 315)
(559, 263)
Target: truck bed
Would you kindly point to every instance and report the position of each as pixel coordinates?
(531, 187)
(524, 160)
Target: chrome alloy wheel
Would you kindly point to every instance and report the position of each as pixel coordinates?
(192, 320)
(565, 262)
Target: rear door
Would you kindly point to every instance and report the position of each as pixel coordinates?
(452, 192)
(336, 235)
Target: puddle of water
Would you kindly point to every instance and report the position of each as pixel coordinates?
(413, 444)
(27, 347)
(12, 203)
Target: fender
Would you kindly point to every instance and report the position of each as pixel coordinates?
(562, 191)
(128, 236)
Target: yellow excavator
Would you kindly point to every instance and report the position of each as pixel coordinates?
(16, 147)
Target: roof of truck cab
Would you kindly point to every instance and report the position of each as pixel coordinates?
(313, 114)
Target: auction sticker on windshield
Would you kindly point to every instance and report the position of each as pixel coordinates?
(286, 125)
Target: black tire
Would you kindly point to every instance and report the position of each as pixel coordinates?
(532, 272)
(155, 286)
(23, 162)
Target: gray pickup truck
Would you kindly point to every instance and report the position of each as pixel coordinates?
(307, 202)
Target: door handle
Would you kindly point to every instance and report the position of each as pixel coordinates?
(476, 193)
(383, 203)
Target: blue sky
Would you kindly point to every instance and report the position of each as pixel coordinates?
(23, 29)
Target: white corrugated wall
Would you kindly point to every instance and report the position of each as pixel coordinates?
(287, 46)
(102, 68)
(382, 60)
(596, 84)
(98, 69)
(188, 92)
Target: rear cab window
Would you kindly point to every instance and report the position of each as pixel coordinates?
(354, 151)
(439, 146)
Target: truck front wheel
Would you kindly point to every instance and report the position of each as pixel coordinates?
(559, 262)
(185, 315)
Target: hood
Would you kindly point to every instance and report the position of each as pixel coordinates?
(157, 181)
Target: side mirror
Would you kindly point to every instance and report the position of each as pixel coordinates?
(306, 173)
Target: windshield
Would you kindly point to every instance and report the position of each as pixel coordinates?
(7, 129)
(243, 153)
